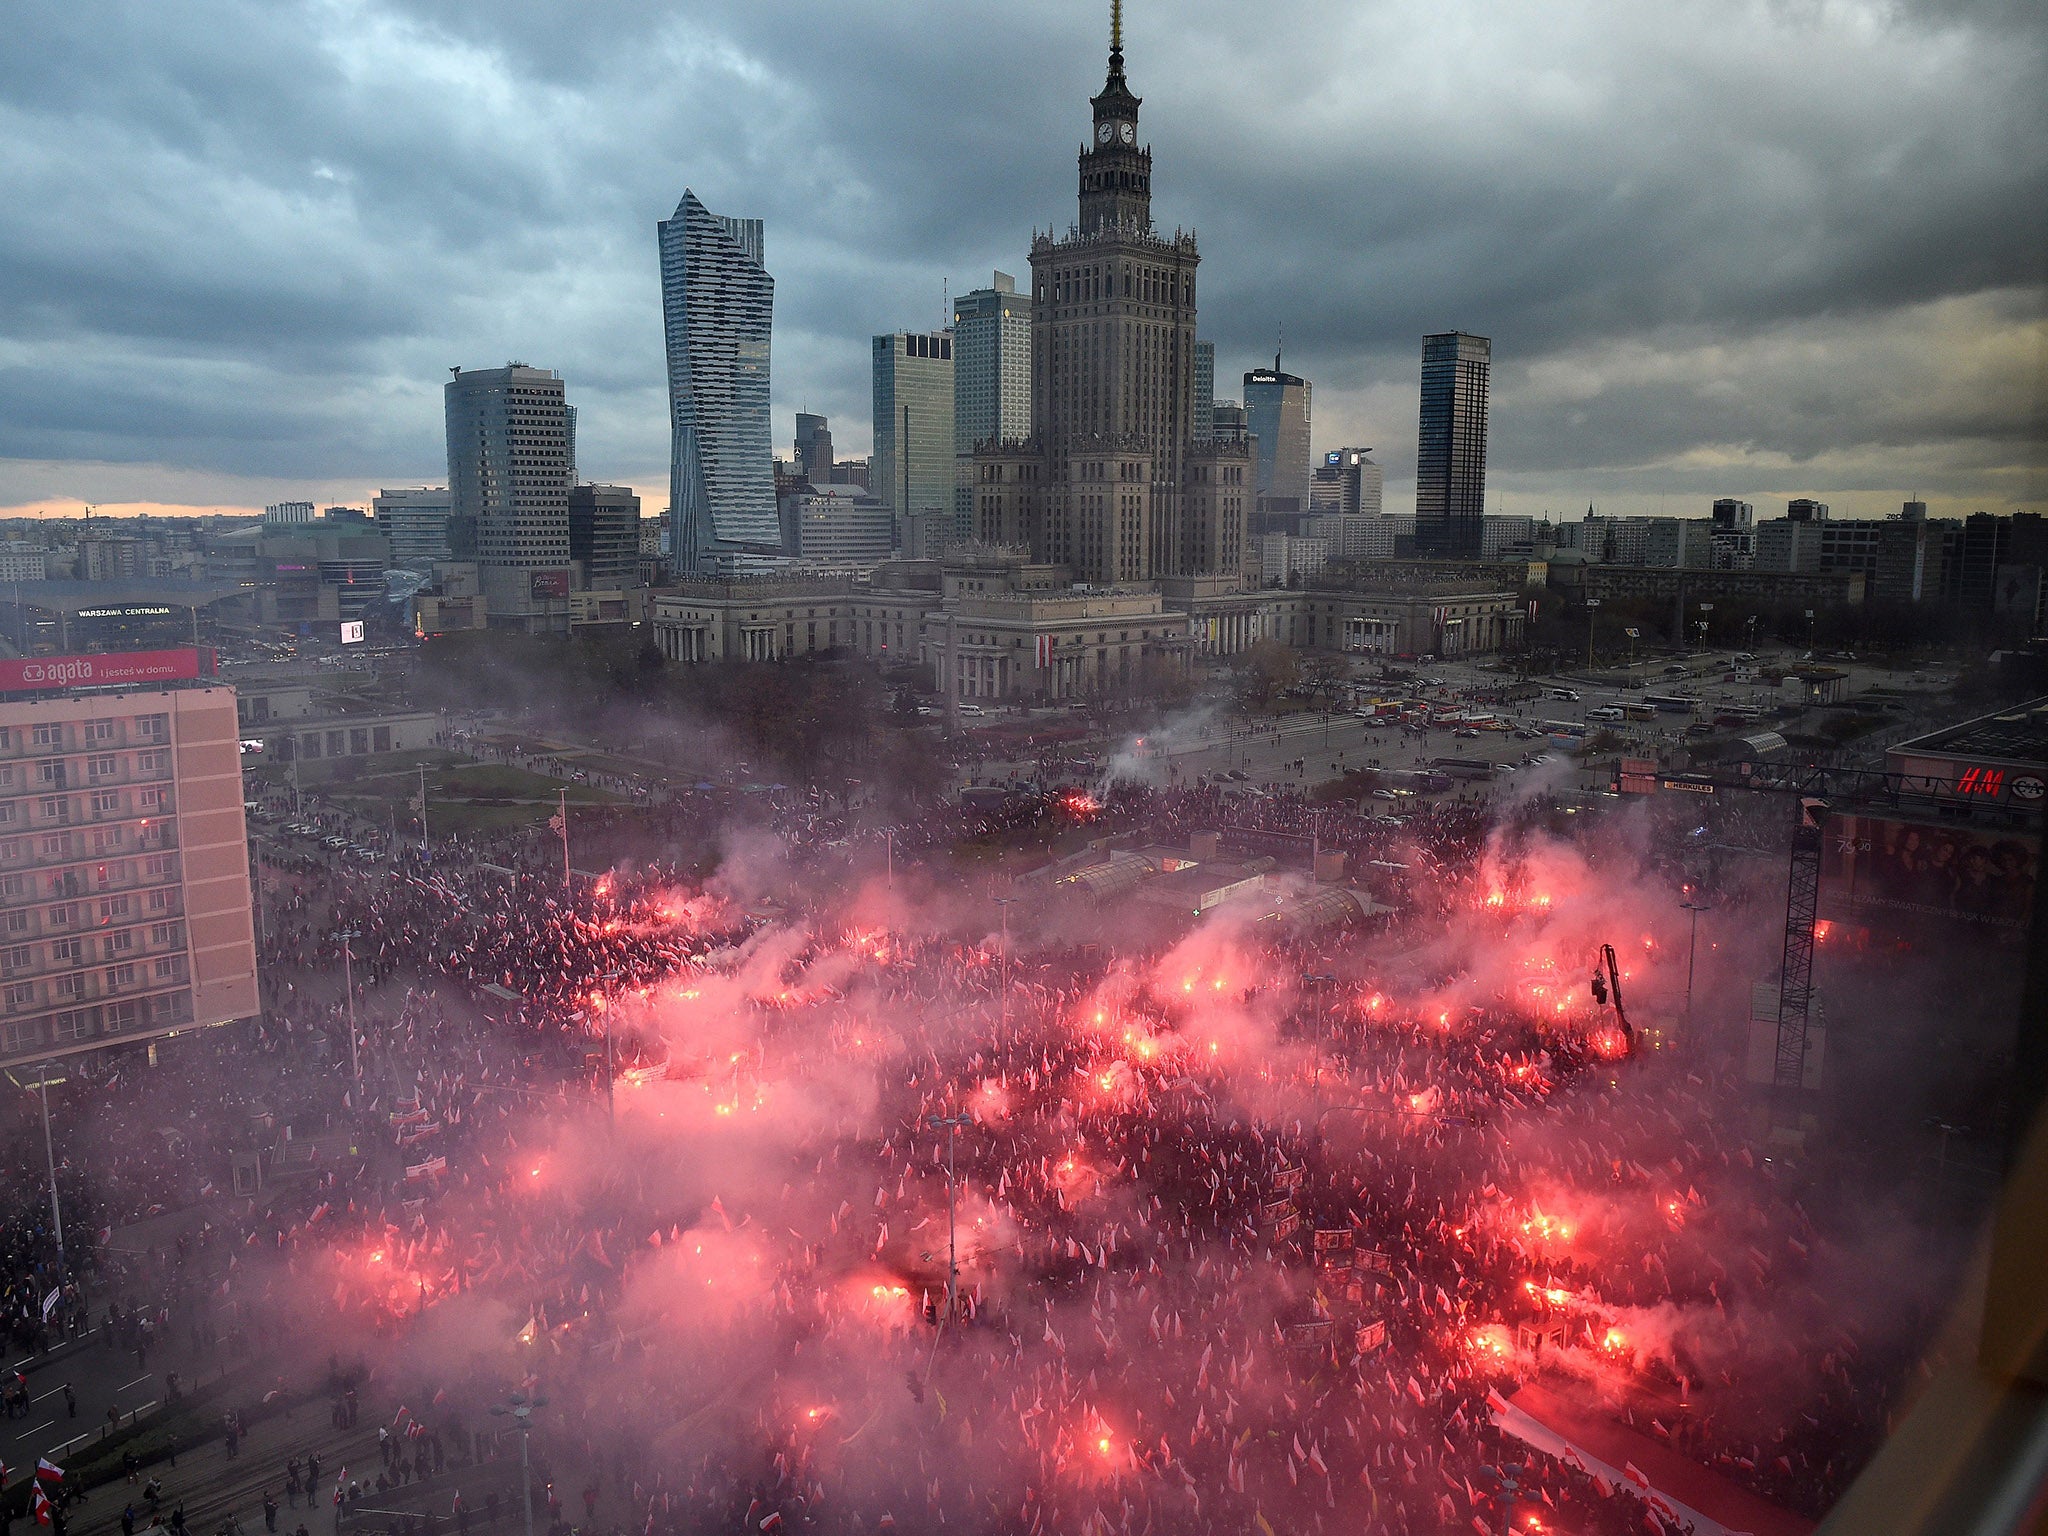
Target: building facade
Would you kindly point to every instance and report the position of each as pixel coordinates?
(1348, 484)
(1204, 427)
(416, 524)
(718, 309)
(125, 910)
(1112, 482)
(991, 381)
(1450, 462)
(509, 470)
(915, 466)
(604, 537)
(842, 525)
(814, 448)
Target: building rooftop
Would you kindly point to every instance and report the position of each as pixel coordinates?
(2016, 735)
(72, 596)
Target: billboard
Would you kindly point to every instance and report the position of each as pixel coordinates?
(1900, 875)
(351, 631)
(112, 669)
(546, 584)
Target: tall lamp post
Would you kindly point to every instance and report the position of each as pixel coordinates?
(1592, 611)
(1634, 635)
(1693, 909)
(43, 1084)
(520, 1410)
(611, 1105)
(1003, 1032)
(952, 1124)
(1706, 619)
(348, 986)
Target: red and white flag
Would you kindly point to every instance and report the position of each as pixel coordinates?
(44, 1513)
(47, 1471)
(1635, 1475)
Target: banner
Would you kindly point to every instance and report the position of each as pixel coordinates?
(110, 669)
(1897, 874)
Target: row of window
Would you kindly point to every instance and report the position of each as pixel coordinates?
(76, 986)
(74, 1025)
(113, 875)
(83, 735)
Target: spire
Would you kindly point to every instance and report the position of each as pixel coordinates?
(1116, 35)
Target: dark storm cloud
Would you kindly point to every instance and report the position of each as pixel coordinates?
(245, 240)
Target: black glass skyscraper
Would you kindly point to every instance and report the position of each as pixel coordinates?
(1450, 456)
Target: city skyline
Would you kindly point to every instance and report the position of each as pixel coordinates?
(1826, 292)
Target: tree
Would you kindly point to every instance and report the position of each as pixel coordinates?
(1265, 668)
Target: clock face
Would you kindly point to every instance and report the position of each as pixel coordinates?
(1126, 132)
(1102, 132)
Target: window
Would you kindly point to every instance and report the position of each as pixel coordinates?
(359, 740)
(104, 767)
(163, 933)
(153, 727)
(106, 839)
(13, 886)
(54, 808)
(49, 736)
(309, 746)
(159, 866)
(64, 951)
(75, 1025)
(21, 1035)
(123, 1015)
(152, 762)
(22, 995)
(162, 899)
(20, 958)
(57, 845)
(120, 943)
(169, 967)
(119, 976)
(337, 743)
(380, 739)
(99, 730)
(150, 799)
(172, 1005)
(106, 800)
(114, 908)
(16, 921)
(6, 814)
(6, 775)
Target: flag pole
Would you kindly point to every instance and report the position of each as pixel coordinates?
(563, 816)
(423, 807)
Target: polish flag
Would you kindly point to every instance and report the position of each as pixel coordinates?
(44, 1514)
(47, 1471)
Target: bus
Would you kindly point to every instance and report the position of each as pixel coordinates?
(1463, 767)
(1562, 728)
(1671, 703)
(1640, 711)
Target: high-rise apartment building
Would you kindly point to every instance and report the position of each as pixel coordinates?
(416, 523)
(915, 465)
(991, 381)
(1804, 509)
(289, 512)
(1450, 458)
(1204, 428)
(509, 467)
(718, 308)
(604, 536)
(814, 448)
(124, 861)
(1277, 408)
(1112, 483)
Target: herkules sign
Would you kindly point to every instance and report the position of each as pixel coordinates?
(113, 669)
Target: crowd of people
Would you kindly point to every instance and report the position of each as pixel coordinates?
(1235, 1251)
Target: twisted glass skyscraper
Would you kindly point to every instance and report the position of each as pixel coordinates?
(718, 304)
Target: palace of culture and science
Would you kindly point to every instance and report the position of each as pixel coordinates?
(1111, 545)
(1112, 483)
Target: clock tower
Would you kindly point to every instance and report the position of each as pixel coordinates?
(1116, 175)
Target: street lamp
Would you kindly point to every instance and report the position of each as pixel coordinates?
(1693, 909)
(1592, 609)
(952, 1124)
(1809, 634)
(1634, 635)
(1003, 1023)
(348, 987)
(43, 1084)
(1706, 619)
(611, 1076)
(521, 1413)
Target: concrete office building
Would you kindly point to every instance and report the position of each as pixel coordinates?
(1277, 410)
(991, 381)
(1348, 483)
(1450, 464)
(509, 469)
(416, 523)
(1112, 483)
(718, 309)
(22, 561)
(842, 526)
(915, 463)
(124, 863)
(604, 537)
(289, 512)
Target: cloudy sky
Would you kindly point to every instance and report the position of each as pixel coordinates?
(1723, 248)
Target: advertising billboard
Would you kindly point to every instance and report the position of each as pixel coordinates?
(1899, 875)
(547, 584)
(351, 631)
(112, 669)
